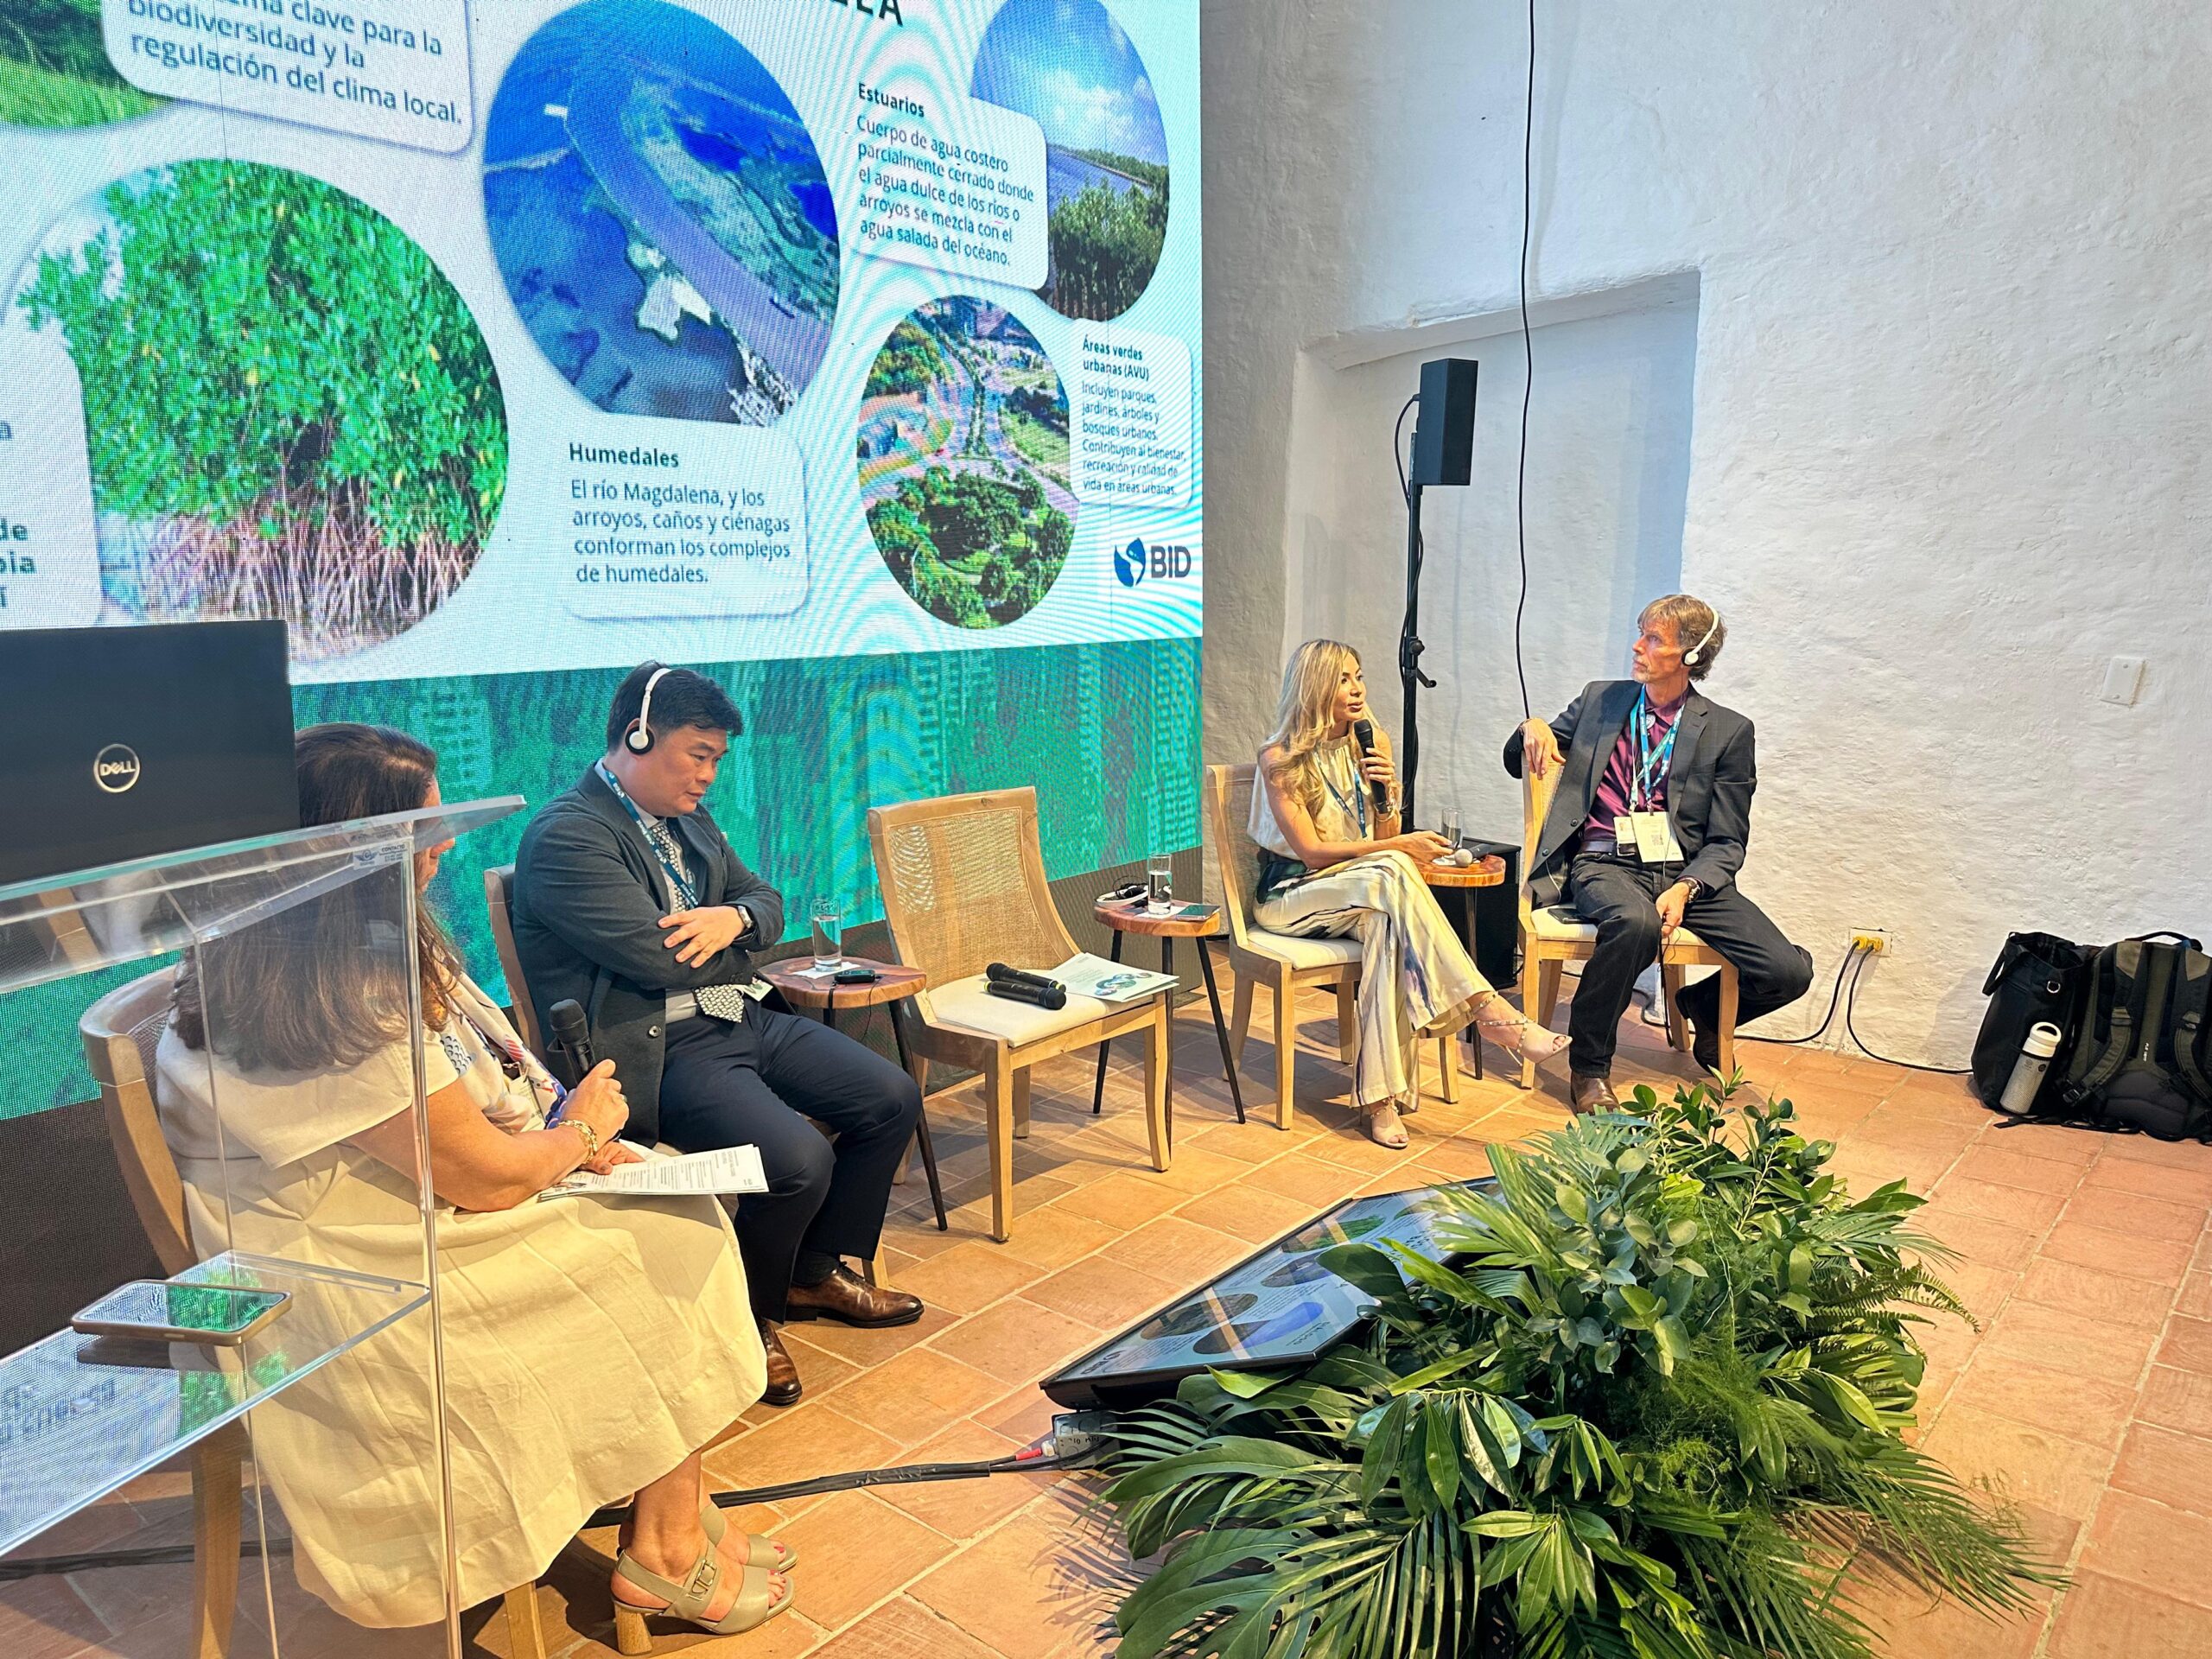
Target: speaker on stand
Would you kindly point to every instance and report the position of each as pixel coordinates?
(1444, 451)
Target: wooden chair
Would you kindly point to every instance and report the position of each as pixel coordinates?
(499, 900)
(964, 885)
(1281, 962)
(120, 1033)
(1550, 939)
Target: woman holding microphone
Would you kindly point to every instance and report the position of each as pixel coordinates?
(1331, 866)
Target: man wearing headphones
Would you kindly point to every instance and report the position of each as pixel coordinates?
(628, 899)
(1647, 832)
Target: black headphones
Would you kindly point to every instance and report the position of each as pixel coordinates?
(639, 738)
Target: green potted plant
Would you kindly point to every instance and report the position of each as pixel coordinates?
(1658, 1411)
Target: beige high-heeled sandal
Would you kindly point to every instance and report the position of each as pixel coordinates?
(1521, 1037)
(760, 1550)
(755, 1605)
(1380, 1127)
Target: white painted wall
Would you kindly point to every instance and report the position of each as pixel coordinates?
(1938, 446)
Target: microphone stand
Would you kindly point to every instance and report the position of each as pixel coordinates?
(1410, 647)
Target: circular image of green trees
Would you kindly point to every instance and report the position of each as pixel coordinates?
(963, 462)
(55, 70)
(288, 411)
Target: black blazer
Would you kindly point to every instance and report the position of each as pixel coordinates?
(1710, 782)
(587, 900)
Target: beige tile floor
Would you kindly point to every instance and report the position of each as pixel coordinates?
(2087, 1395)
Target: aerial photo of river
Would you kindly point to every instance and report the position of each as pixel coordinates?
(660, 215)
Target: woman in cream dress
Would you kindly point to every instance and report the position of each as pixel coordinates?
(1331, 865)
(591, 1347)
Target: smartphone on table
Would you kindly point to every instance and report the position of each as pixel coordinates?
(157, 1310)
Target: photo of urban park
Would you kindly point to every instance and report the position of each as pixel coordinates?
(964, 463)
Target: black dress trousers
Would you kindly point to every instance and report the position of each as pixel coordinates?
(757, 1083)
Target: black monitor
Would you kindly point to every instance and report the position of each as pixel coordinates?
(1274, 1310)
(123, 742)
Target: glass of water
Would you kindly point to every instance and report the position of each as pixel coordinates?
(1160, 882)
(1450, 827)
(827, 918)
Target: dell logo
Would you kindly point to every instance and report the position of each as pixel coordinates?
(1136, 561)
(115, 768)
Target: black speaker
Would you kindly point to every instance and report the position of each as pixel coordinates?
(1444, 433)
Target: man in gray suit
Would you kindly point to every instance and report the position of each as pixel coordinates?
(1647, 832)
(630, 900)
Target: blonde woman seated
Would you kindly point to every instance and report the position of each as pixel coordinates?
(591, 1348)
(1330, 865)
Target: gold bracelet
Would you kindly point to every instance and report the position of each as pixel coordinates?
(590, 1135)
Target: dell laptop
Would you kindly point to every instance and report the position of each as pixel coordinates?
(123, 742)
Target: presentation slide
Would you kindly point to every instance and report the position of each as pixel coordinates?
(844, 349)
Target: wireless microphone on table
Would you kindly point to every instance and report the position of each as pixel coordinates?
(1364, 731)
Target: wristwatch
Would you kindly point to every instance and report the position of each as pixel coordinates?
(1696, 886)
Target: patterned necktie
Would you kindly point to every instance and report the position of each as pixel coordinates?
(722, 1001)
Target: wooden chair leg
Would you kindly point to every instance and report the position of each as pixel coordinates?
(1347, 1019)
(1155, 1087)
(525, 1634)
(998, 1122)
(1021, 1104)
(217, 1464)
(1547, 978)
(1447, 1067)
(1670, 994)
(1531, 1001)
(1729, 986)
(1240, 1020)
(878, 1269)
(1286, 1046)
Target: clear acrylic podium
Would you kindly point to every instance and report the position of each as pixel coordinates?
(303, 1473)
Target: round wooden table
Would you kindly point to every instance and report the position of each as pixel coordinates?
(1483, 873)
(803, 989)
(1127, 916)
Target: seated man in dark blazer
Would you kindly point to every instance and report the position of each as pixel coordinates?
(1652, 754)
(628, 899)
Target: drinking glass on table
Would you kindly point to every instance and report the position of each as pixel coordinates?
(827, 917)
(1160, 882)
(1450, 827)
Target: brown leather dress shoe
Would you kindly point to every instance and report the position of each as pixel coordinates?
(783, 1387)
(849, 1299)
(1593, 1094)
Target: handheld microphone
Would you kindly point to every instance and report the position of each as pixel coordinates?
(1043, 994)
(570, 1032)
(998, 974)
(1364, 731)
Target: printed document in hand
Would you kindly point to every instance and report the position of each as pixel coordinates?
(1085, 974)
(726, 1169)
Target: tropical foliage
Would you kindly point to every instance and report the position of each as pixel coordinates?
(285, 390)
(1656, 1412)
(973, 549)
(1106, 244)
(909, 361)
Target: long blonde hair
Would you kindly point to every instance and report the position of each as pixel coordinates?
(1304, 713)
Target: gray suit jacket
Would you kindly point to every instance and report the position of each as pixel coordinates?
(1709, 784)
(588, 897)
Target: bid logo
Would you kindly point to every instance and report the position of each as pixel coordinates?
(1134, 562)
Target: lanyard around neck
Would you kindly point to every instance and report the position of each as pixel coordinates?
(1651, 764)
(680, 886)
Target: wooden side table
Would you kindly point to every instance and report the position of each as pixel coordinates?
(1129, 916)
(893, 984)
(1456, 879)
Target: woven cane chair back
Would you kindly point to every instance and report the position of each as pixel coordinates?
(963, 884)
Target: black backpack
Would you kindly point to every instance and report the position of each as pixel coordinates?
(2139, 1058)
(2037, 978)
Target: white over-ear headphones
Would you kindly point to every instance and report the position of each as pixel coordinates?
(1696, 652)
(639, 738)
